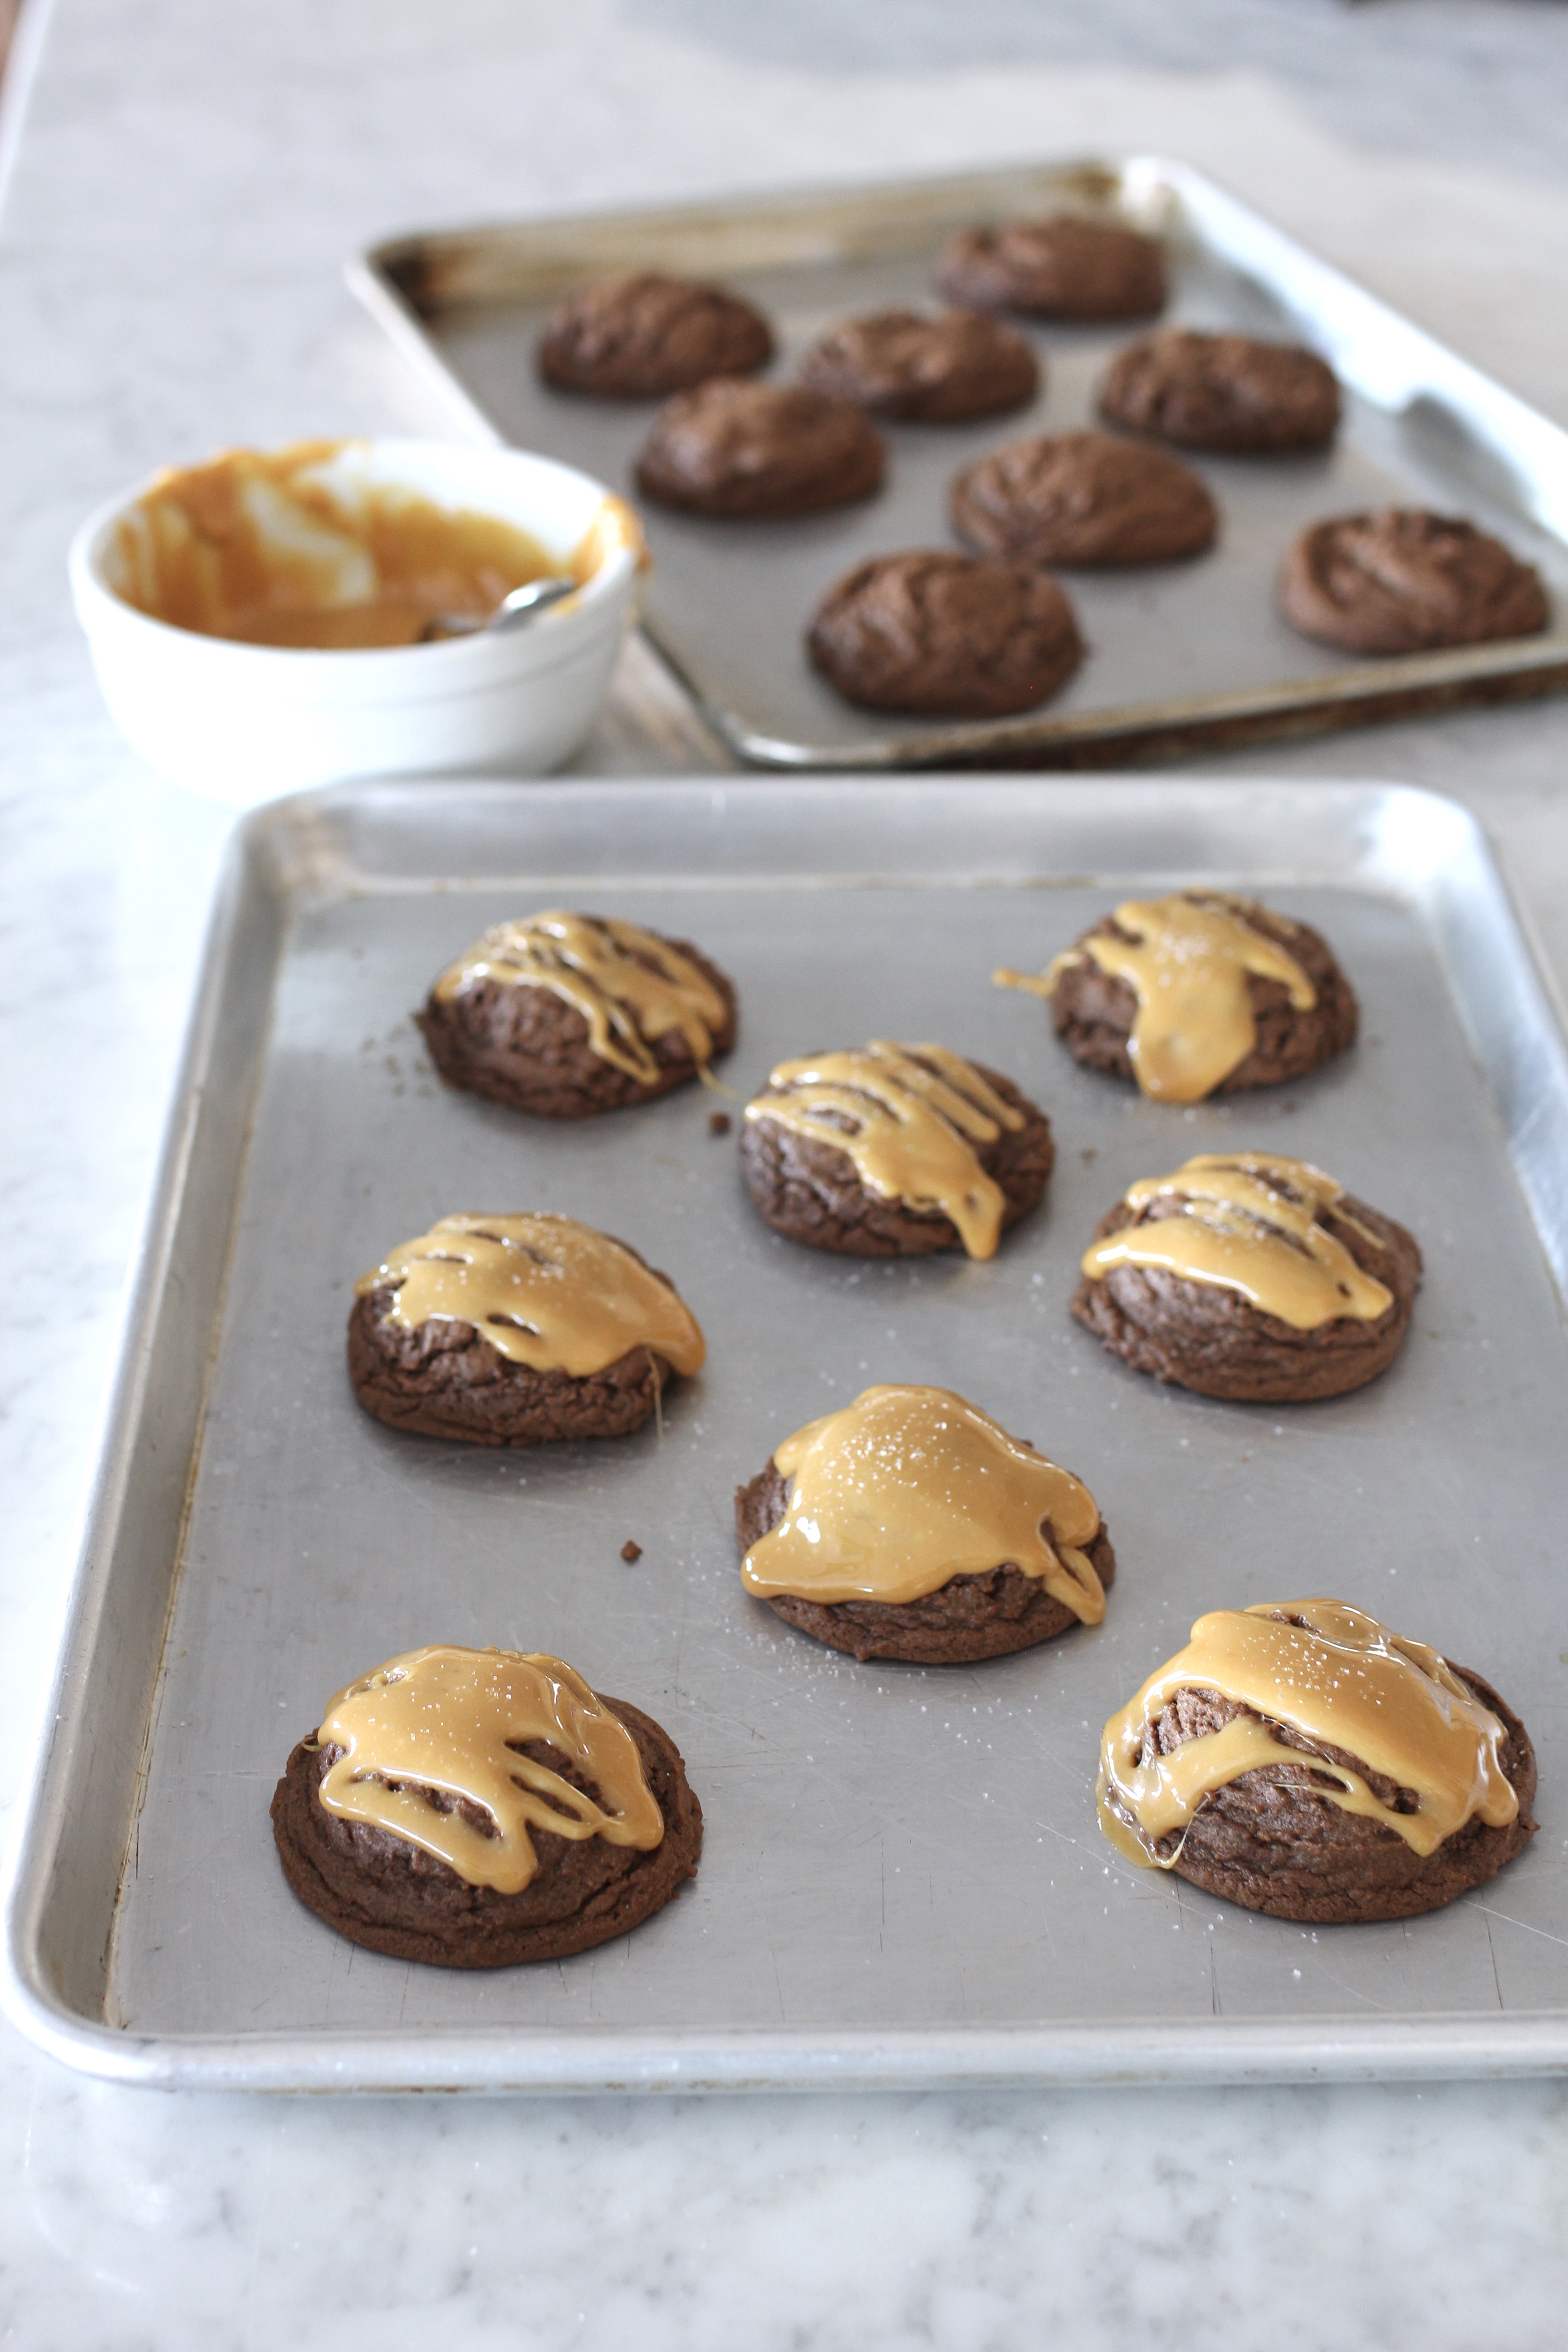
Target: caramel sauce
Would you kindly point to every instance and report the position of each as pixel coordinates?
(452, 1720)
(910, 1131)
(909, 1487)
(630, 986)
(288, 548)
(1338, 1679)
(1248, 1222)
(1187, 959)
(542, 1289)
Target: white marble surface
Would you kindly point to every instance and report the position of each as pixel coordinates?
(188, 181)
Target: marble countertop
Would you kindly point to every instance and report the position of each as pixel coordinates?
(187, 183)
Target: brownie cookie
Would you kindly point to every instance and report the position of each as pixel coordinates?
(932, 371)
(517, 1331)
(1405, 581)
(563, 1015)
(758, 452)
(934, 1537)
(1083, 498)
(945, 637)
(1223, 391)
(643, 336)
(1301, 1761)
(1061, 268)
(894, 1151)
(559, 1819)
(1252, 1278)
(1197, 995)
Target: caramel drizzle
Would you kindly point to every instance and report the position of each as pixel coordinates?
(908, 1487)
(1248, 1222)
(1337, 1677)
(452, 1720)
(909, 1117)
(542, 1289)
(1187, 960)
(631, 987)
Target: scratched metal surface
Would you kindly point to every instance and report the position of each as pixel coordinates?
(1173, 648)
(897, 1861)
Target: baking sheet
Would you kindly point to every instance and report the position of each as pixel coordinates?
(1181, 655)
(902, 1880)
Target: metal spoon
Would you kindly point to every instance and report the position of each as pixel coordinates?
(513, 612)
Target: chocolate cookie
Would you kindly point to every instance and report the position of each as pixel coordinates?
(945, 637)
(894, 1151)
(1252, 1278)
(1167, 1022)
(517, 1330)
(643, 336)
(1279, 1837)
(563, 1015)
(1223, 391)
(933, 370)
(1082, 499)
(382, 1888)
(942, 1485)
(1405, 581)
(1060, 267)
(757, 452)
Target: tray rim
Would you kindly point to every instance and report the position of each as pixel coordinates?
(589, 2058)
(1364, 692)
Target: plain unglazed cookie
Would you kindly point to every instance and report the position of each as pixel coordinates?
(1060, 267)
(642, 336)
(1299, 1759)
(1401, 581)
(758, 452)
(1223, 391)
(931, 370)
(1082, 499)
(552, 1821)
(930, 1533)
(1249, 1277)
(945, 637)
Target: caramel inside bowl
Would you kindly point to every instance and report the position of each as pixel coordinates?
(303, 547)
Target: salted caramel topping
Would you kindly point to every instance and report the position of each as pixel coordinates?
(452, 1721)
(301, 547)
(910, 1117)
(1186, 960)
(907, 1487)
(1248, 1222)
(1336, 1678)
(630, 986)
(542, 1289)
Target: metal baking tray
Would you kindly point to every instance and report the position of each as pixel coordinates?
(1183, 657)
(903, 1882)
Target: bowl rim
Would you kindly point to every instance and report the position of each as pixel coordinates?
(579, 614)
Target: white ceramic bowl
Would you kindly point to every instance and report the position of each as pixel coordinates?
(241, 723)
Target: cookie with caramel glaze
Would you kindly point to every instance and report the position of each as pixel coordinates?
(1273, 1838)
(1203, 1333)
(1095, 1011)
(454, 1363)
(564, 1015)
(975, 1612)
(380, 1889)
(803, 1145)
